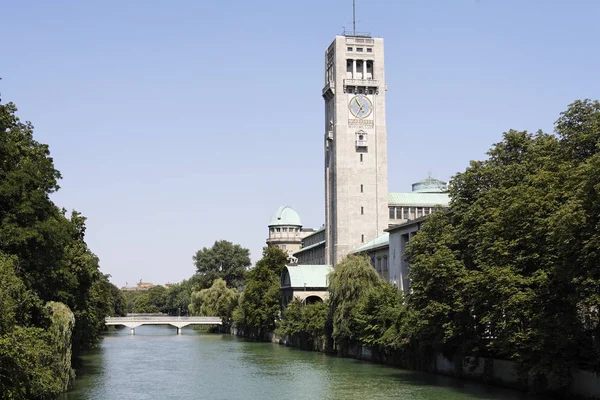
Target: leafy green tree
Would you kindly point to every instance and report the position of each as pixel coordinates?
(258, 307)
(304, 322)
(378, 317)
(218, 300)
(154, 300)
(118, 301)
(34, 363)
(516, 260)
(437, 302)
(223, 260)
(352, 279)
(44, 259)
(131, 297)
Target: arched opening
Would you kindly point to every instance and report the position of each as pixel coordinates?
(313, 299)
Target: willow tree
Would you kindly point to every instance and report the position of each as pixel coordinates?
(218, 300)
(350, 281)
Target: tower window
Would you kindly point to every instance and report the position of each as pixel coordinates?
(361, 188)
(362, 211)
(359, 49)
(369, 50)
(349, 48)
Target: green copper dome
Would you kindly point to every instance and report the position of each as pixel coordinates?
(285, 215)
(430, 185)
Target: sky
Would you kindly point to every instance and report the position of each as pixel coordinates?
(179, 123)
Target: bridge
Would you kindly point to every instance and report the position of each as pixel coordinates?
(178, 322)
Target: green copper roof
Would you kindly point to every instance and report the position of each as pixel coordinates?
(285, 215)
(381, 241)
(430, 185)
(313, 276)
(418, 199)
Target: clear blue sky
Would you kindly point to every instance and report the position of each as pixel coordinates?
(178, 123)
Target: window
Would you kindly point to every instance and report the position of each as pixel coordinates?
(283, 247)
(399, 212)
(349, 48)
(362, 211)
(370, 91)
(361, 188)
(361, 158)
(405, 212)
(359, 49)
(419, 212)
(392, 213)
(369, 50)
(362, 238)
(360, 90)
(426, 210)
(278, 229)
(412, 213)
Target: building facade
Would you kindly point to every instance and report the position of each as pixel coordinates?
(356, 193)
(361, 216)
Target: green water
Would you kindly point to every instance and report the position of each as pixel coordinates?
(156, 363)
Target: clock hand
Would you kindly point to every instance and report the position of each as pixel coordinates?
(360, 107)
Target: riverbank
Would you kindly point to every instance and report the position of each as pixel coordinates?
(493, 372)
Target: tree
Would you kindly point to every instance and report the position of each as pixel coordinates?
(117, 300)
(218, 300)
(516, 259)
(258, 307)
(352, 279)
(154, 300)
(304, 322)
(378, 317)
(47, 270)
(179, 296)
(223, 260)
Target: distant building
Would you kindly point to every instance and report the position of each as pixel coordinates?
(141, 286)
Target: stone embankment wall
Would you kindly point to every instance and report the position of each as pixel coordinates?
(584, 385)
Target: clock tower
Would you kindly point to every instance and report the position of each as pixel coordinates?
(356, 186)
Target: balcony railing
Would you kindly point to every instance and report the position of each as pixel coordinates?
(361, 82)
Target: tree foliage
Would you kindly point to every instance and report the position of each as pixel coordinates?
(258, 307)
(223, 260)
(516, 260)
(352, 279)
(218, 300)
(305, 322)
(47, 273)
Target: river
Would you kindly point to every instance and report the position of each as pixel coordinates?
(157, 363)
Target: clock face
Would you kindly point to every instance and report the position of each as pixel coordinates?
(360, 106)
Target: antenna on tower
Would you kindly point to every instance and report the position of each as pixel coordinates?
(354, 17)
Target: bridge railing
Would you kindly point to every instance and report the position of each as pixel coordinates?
(164, 318)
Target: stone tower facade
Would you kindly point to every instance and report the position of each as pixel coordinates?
(356, 184)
